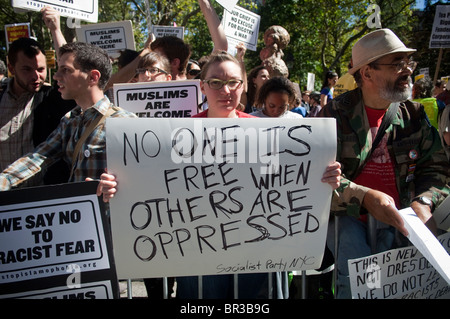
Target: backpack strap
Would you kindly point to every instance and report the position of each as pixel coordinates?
(98, 121)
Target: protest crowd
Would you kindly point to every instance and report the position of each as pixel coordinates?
(393, 137)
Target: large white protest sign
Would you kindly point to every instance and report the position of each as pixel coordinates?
(202, 196)
(166, 31)
(80, 9)
(52, 237)
(159, 99)
(402, 273)
(241, 25)
(113, 37)
(440, 35)
(424, 240)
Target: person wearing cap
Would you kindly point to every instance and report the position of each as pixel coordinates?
(314, 104)
(404, 166)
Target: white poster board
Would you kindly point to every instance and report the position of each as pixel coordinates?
(159, 99)
(440, 35)
(79, 9)
(228, 4)
(201, 196)
(162, 31)
(402, 273)
(310, 82)
(113, 37)
(241, 25)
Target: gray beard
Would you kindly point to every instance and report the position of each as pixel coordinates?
(390, 93)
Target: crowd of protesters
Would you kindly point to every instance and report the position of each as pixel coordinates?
(392, 152)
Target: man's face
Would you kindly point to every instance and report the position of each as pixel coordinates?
(72, 81)
(29, 73)
(395, 85)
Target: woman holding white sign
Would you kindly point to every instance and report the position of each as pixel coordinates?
(222, 83)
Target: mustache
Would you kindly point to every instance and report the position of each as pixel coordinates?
(404, 78)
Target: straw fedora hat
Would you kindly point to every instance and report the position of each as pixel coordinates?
(375, 45)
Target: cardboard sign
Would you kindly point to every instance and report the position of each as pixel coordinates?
(228, 4)
(162, 31)
(241, 25)
(440, 35)
(112, 37)
(402, 273)
(79, 9)
(159, 99)
(16, 31)
(55, 240)
(202, 196)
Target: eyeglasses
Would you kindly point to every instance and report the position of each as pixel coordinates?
(402, 65)
(152, 71)
(232, 84)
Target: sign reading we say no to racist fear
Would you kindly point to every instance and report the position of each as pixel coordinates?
(53, 244)
(219, 196)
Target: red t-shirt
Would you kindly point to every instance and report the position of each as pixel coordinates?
(238, 113)
(378, 173)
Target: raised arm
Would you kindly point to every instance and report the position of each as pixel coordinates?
(215, 27)
(51, 19)
(127, 72)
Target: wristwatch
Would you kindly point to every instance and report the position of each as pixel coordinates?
(424, 201)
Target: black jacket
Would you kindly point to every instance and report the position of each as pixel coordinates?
(49, 108)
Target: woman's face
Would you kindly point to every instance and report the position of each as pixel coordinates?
(332, 82)
(193, 71)
(158, 74)
(276, 104)
(222, 102)
(261, 78)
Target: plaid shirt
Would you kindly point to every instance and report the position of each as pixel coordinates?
(91, 160)
(16, 126)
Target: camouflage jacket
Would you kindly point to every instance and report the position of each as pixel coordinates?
(413, 144)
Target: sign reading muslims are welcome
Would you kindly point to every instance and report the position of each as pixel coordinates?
(219, 196)
(159, 99)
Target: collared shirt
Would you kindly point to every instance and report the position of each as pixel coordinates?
(91, 160)
(16, 126)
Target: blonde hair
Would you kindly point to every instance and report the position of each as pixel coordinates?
(219, 57)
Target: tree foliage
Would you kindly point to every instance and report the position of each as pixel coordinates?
(322, 31)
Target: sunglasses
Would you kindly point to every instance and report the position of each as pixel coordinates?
(194, 72)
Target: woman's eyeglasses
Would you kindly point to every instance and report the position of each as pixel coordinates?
(216, 84)
(151, 71)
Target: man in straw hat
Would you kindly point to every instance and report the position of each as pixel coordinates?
(404, 165)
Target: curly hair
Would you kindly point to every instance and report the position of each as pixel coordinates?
(278, 84)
